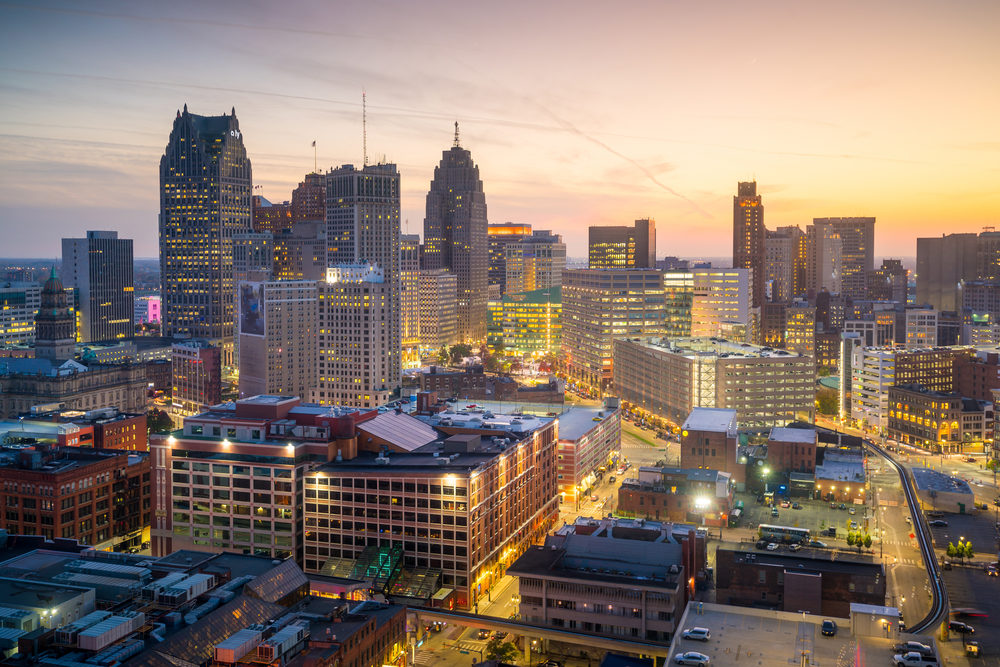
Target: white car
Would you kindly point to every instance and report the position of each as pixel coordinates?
(692, 658)
(698, 634)
(772, 547)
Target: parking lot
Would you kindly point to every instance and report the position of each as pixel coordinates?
(816, 515)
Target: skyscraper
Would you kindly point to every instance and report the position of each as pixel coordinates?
(857, 251)
(205, 191)
(748, 238)
(100, 268)
(362, 223)
(499, 237)
(309, 199)
(622, 247)
(455, 235)
(409, 259)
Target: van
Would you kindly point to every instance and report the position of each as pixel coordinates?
(774, 511)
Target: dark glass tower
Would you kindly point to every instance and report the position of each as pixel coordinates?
(205, 191)
(455, 235)
(99, 267)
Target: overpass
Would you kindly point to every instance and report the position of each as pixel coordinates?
(536, 631)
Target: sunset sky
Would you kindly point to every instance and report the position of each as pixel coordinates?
(577, 112)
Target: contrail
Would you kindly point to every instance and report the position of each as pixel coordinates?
(569, 127)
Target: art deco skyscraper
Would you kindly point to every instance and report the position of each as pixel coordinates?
(99, 267)
(205, 191)
(362, 227)
(748, 238)
(455, 235)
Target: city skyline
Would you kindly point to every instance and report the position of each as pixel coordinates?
(564, 140)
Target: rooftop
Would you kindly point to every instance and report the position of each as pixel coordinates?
(401, 429)
(713, 347)
(576, 422)
(408, 462)
(785, 434)
(717, 420)
(824, 560)
(841, 466)
(765, 637)
(932, 480)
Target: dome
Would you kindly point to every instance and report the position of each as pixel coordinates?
(53, 284)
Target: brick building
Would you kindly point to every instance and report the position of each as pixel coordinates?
(99, 498)
(977, 376)
(939, 421)
(709, 440)
(678, 494)
(792, 450)
(818, 583)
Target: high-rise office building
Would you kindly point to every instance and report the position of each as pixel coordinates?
(196, 369)
(359, 353)
(498, 236)
(300, 252)
(785, 258)
(943, 263)
(269, 217)
(721, 301)
(409, 286)
(889, 282)
(278, 337)
(455, 235)
(599, 305)
(437, 298)
(748, 238)
(19, 303)
(205, 191)
(362, 227)
(534, 262)
(621, 247)
(100, 268)
(857, 251)
(309, 199)
(824, 264)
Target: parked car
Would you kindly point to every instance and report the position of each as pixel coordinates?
(852, 511)
(795, 547)
(970, 459)
(593, 498)
(829, 628)
(772, 547)
(833, 506)
(961, 628)
(697, 634)
(796, 506)
(842, 506)
(914, 647)
(938, 523)
(774, 511)
(854, 525)
(816, 544)
(785, 504)
(483, 633)
(914, 659)
(612, 479)
(692, 658)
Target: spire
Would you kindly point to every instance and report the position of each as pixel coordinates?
(185, 107)
(52, 272)
(457, 145)
(234, 111)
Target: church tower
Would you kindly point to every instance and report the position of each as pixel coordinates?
(55, 326)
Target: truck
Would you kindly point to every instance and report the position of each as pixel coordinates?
(914, 659)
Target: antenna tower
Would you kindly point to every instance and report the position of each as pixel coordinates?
(364, 127)
(457, 145)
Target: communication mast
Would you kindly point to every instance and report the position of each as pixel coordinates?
(364, 127)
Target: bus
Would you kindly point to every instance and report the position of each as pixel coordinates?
(782, 534)
(734, 517)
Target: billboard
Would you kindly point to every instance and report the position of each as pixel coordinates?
(252, 309)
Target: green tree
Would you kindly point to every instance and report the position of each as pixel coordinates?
(158, 421)
(460, 351)
(851, 538)
(827, 401)
(969, 553)
(442, 357)
(951, 551)
(501, 651)
(868, 541)
(992, 464)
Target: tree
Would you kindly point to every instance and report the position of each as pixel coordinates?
(501, 651)
(827, 401)
(158, 421)
(951, 551)
(460, 351)
(851, 538)
(969, 553)
(868, 541)
(442, 357)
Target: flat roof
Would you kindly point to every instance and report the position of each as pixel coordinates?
(932, 480)
(785, 434)
(577, 422)
(766, 637)
(408, 462)
(401, 429)
(714, 347)
(34, 594)
(719, 420)
(821, 560)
